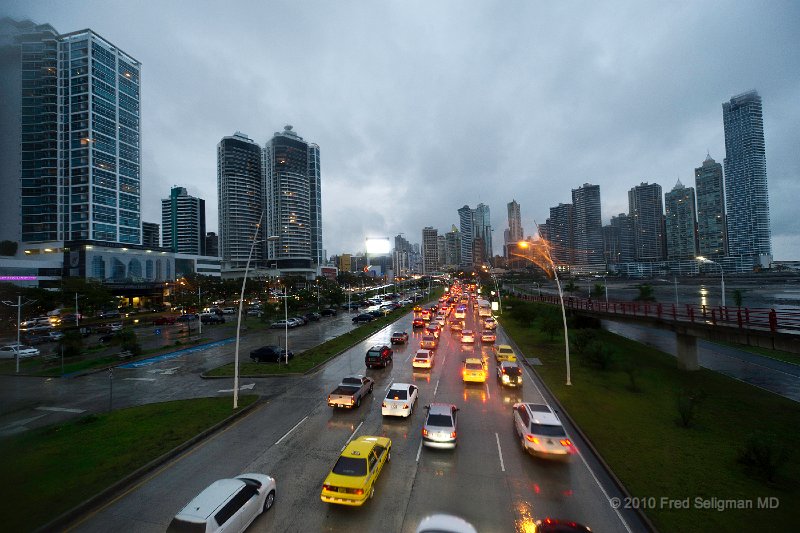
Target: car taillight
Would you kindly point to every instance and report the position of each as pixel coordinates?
(383, 404)
(358, 492)
(566, 442)
(531, 438)
(453, 435)
(405, 406)
(329, 487)
(424, 432)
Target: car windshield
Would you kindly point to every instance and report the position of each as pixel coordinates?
(397, 394)
(421, 356)
(474, 366)
(350, 466)
(442, 421)
(547, 430)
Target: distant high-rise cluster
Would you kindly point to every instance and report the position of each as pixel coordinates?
(279, 185)
(183, 222)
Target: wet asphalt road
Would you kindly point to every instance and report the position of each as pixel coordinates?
(296, 437)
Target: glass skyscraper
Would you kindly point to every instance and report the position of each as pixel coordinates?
(710, 190)
(680, 222)
(746, 193)
(588, 231)
(646, 207)
(183, 222)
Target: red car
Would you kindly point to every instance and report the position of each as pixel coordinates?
(164, 321)
(399, 337)
(418, 323)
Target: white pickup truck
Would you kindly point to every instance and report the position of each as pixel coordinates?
(350, 391)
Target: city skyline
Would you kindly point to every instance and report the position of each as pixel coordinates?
(615, 137)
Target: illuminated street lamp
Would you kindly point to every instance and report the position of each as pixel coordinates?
(721, 274)
(548, 257)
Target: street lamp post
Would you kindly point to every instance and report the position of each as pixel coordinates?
(239, 320)
(721, 274)
(18, 305)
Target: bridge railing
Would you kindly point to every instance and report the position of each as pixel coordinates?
(754, 318)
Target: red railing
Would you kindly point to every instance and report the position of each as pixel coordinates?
(755, 318)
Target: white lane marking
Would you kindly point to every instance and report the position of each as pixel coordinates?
(287, 433)
(597, 481)
(61, 409)
(409, 356)
(249, 386)
(419, 450)
(444, 359)
(140, 379)
(389, 386)
(436, 388)
(500, 452)
(19, 425)
(489, 394)
(351, 436)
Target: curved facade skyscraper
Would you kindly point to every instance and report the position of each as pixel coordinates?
(240, 195)
(291, 182)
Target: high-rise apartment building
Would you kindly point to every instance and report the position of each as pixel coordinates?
(430, 250)
(441, 247)
(466, 226)
(401, 255)
(680, 222)
(183, 222)
(291, 177)
(746, 195)
(70, 105)
(212, 244)
(646, 207)
(151, 234)
(482, 228)
(452, 255)
(240, 195)
(710, 189)
(588, 230)
(560, 234)
(625, 249)
(515, 232)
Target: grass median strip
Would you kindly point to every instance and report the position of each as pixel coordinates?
(52, 469)
(308, 359)
(630, 411)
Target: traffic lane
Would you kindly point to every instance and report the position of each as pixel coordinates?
(577, 490)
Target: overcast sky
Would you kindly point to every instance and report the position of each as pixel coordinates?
(422, 107)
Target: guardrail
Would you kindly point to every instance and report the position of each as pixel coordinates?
(744, 318)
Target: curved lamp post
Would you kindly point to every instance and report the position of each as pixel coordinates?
(721, 274)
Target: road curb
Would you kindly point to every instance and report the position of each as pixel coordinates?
(63, 521)
(617, 482)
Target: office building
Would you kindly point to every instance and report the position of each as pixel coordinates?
(710, 190)
(183, 222)
(646, 207)
(430, 250)
(482, 229)
(515, 232)
(291, 177)
(212, 244)
(151, 234)
(441, 248)
(71, 113)
(401, 256)
(452, 254)
(466, 227)
(560, 229)
(746, 195)
(680, 222)
(240, 195)
(588, 229)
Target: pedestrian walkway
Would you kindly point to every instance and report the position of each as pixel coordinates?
(769, 374)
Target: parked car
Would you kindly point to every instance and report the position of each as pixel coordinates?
(352, 479)
(108, 337)
(400, 400)
(299, 320)
(227, 505)
(363, 317)
(211, 318)
(55, 335)
(379, 356)
(10, 351)
(440, 429)
(191, 317)
(399, 337)
(254, 312)
(228, 310)
(312, 316)
(540, 431)
(282, 324)
(270, 354)
(351, 391)
(164, 321)
(109, 314)
(328, 312)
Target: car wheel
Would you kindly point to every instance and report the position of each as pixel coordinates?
(358, 402)
(269, 500)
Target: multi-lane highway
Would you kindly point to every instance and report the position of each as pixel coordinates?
(296, 438)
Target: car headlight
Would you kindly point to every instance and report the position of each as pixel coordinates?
(505, 378)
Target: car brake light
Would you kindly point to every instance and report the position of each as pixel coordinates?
(329, 487)
(358, 492)
(383, 404)
(424, 432)
(566, 442)
(531, 438)
(405, 406)
(453, 435)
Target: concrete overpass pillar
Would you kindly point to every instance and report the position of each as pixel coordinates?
(687, 351)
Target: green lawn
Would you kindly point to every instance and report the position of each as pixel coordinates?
(637, 433)
(52, 469)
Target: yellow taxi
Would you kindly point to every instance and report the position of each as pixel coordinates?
(352, 480)
(505, 353)
(474, 370)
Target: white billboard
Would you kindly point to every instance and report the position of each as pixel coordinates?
(378, 246)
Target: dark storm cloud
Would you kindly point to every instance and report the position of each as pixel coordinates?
(422, 107)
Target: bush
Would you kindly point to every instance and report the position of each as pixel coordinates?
(763, 455)
(597, 355)
(630, 368)
(580, 340)
(129, 342)
(550, 323)
(687, 403)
